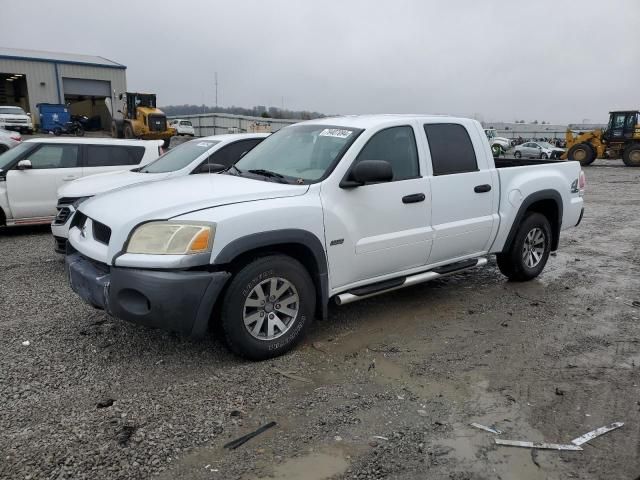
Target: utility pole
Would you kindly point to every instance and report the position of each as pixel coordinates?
(216, 77)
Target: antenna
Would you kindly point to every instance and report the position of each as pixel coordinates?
(216, 77)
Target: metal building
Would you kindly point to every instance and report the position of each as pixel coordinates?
(84, 82)
(206, 124)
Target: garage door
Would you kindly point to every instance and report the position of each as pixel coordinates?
(88, 88)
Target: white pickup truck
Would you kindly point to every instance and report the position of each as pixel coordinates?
(337, 208)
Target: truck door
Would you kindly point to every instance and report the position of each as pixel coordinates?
(379, 229)
(464, 200)
(33, 192)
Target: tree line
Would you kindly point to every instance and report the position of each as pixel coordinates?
(257, 111)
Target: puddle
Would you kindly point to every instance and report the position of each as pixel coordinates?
(317, 466)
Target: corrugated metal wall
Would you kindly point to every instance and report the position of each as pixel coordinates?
(219, 123)
(43, 87)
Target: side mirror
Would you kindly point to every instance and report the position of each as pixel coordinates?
(24, 165)
(210, 168)
(368, 171)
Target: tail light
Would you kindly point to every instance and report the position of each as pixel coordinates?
(582, 181)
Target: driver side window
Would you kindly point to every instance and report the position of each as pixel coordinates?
(396, 145)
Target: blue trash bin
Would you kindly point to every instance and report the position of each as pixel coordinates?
(52, 115)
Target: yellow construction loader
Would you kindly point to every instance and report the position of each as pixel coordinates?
(141, 118)
(621, 138)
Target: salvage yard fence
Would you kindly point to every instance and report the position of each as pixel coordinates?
(206, 124)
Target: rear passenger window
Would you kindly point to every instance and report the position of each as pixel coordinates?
(54, 156)
(113, 155)
(396, 145)
(451, 149)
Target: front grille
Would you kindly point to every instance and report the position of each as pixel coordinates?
(63, 215)
(79, 220)
(157, 123)
(15, 120)
(101, 232)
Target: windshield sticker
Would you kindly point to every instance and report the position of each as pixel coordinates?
(335, 132)
(205, 144)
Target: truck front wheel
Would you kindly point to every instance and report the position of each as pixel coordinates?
(582, 153)
(268, 307)
(528, 253)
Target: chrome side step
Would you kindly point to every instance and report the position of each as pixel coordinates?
(348, 297)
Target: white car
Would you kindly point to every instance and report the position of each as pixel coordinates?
(537, 150)
(203, 155)
(15, 118)
(32, 172)
(330, 209)
(183, 127)
(499, 145)
(8, 140)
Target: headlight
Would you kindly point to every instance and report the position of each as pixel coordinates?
(172, 238)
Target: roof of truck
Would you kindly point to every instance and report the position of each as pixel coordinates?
(367, 121)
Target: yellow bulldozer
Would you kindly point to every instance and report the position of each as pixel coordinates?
(141, 118)
(621, 139)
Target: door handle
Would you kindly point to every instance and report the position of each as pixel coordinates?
(413, 198)
(482, 188)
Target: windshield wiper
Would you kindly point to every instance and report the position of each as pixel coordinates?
(269, 174)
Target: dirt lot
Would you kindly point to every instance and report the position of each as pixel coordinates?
(547, 360)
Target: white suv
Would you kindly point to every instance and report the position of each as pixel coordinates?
(32, 172)
(15, 118)
(183, 127)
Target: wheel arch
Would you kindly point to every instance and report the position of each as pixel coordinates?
(298, 244)
(545, 202)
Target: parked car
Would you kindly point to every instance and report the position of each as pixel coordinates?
(8, 140)
(15, 118)
(499, 145)
(194, 156)
(330, 209)
(183, 127)
(32, 172)
(537, 150)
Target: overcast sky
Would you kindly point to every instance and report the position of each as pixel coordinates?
(553, 60)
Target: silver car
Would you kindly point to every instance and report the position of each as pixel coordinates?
(537, 150)
(8, 140)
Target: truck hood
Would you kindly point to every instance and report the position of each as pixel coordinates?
(126, 207)
(104, 182)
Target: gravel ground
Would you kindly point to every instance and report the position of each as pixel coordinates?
(386, 388)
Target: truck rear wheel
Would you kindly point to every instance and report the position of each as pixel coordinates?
(631, 155)
(128, 131)
(268, 307)
(527, 255)
(582, 153)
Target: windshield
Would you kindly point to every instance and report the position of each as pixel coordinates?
(8, 157)
(179, 157)
(186, 124)
(12, 110)
(301, 152)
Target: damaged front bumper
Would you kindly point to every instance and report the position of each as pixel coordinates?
(180, 301)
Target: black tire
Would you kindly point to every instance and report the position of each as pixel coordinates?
(543, 156)
(57, 131)
(583, 153)
(512, 262)
(128, 131)
(79, 132)
(517, 154)
(166, 143)
(631, 155)
(241, 289)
